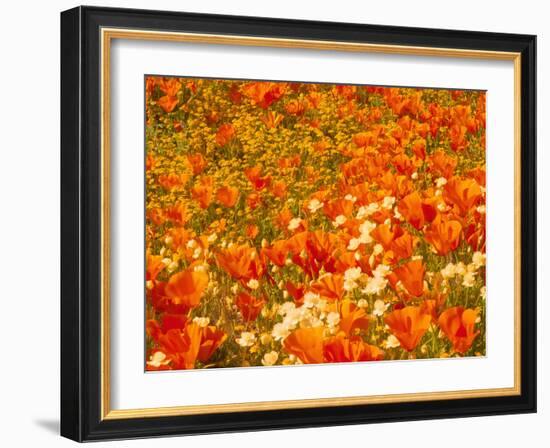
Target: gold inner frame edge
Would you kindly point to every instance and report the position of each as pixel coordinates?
(107, 35)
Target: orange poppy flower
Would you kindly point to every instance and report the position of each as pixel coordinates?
(253, 200)
(404, 164)
(272, 119)
(296, 291)
(154, 266)
(225, 134)
(338, 207)
(254, 176)
(182, 346)
(419, 148)
(321, 244)
(458, 139)
(442, 164)
(278, 189)
(295, 107)
(169, 86)
(150, 162)
(444, 235)
(172, 181)
(249, 306)
(177, 237)
(202, 191)
(227, 196)
(185, 289)
(252, 231)
(177, 213)
(464, 193)
(289, 162)
(241, 262)
(306, 344)
(342, 349)
(168, 103)
(408, 325)
(411, 275)
(352, 317)
(384, 234)
(263, 94)
(458, 324)
(197, 162)
(211, 339)
(403, 245)
(330, 286)
(363, 139)
(277, 252)
(411, 208)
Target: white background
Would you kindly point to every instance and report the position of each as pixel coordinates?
(133, 388)
(29, 186)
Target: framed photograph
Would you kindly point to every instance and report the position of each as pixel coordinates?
(276, 224)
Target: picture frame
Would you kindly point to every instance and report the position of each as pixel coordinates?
(87, 36)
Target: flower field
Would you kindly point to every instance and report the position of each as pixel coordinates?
(296, 223)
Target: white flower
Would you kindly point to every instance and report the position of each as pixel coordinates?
(350, 285)
(388, 202)
(286, 308)
(292, 318)
(468, 280)
(368, 210)
(448, 271)
(279, 332)
(212, 238)
(396, 214)
(247, 339)
(172, 266)
(481, 209)
(380, 307)
(197, 253)
(414, 175)
(375, 285)
(253, 283)
(333, 319)
(362, 303)
(270, 358)
(352, 273)
(314, 205)
(381, 270)
(311, 299)
(340, 219)
(158, 359)
(202, 321)
(377, 249)
(354, 243)
(391, 342)
(191, 244)
(440, 181)
(483, 292)
(460, 268)
(478, 259)
(294, 223)
(366, 228)
(349, 197)
(310, 321)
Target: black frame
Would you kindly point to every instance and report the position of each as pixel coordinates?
(81, 224)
